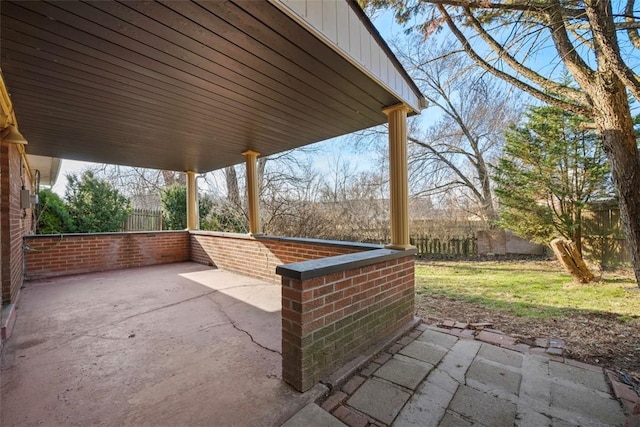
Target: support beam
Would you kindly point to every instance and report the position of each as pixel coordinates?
(252, 191)
(192, 208)
(398, 176)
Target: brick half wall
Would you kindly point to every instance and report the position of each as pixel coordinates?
(258, 256)
(334, 309)
(15, 222)
(66, 254)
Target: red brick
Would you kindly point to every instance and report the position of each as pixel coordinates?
(493, 338)
(395, 348)
(322, 311)
(369, 369)
(324, 290)
(350, 418)
(313, 304)
(353, 384)
(623, 391)
(334, 400)
(334, 296)
(333, 317)
(383, 358)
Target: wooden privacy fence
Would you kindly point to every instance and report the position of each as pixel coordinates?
(143, 220)
(460, 246)
(603, 239)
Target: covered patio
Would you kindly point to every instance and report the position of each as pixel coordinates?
(195, 87)
(174, 344)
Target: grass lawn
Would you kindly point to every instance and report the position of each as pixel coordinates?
(534, 289)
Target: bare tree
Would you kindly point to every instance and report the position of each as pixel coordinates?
(598, 46)
(233, 190)
(141, 185)
(454, 155)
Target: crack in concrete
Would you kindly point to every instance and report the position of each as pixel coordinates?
(162, 307)
(239, 329)
(448, 374)
(87, 334)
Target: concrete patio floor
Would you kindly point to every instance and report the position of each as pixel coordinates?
(177, 344)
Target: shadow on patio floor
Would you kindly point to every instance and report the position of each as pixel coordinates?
(177, 344)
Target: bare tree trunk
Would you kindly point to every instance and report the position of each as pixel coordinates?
(171, 177)
(621, 146)
(487, 197)
(262, 164)
(233, 192)
(577, 238)
(568, 255)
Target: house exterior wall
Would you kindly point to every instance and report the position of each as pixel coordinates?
(501, 242)
(260, 255)
(14, 221)
(60, 255)
(329, 319)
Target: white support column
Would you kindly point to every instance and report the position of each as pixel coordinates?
(253, 197)
(192, 209)
(398, 176)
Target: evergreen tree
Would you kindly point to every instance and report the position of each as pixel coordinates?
(174, 208)
(550, 169)
(94, 205)
(52, 214)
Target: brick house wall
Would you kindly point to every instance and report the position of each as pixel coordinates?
(258, 256)
(329, 317)
(59, 255)
(501, 242)
(14, 221)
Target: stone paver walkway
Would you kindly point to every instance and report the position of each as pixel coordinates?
(432, 377)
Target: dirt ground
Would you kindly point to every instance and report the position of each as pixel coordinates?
(595, 338)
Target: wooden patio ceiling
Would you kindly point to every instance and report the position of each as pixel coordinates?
(179, 85)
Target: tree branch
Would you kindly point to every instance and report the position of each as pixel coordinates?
(633, 34)
(577, 109)
(547, 84)
(603, 30)
(518, 5)
(574, 63)
(453, 167)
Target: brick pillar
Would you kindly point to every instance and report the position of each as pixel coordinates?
(330, 318)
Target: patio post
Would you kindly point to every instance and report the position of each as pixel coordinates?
(192, 208)
(252, 191)
(398, 176)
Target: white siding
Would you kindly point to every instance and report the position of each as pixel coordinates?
(342, 12)
(338, 25)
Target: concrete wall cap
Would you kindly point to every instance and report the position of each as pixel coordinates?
(306, 270)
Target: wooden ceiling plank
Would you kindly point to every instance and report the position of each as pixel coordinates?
(123, 124)
(158, 49)
(120, 148)
(219, 51)
(45, 28)
(198, 101)
(302, 43)
(123, 100)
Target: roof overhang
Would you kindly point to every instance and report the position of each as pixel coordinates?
(48, 169)
(192, 85)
